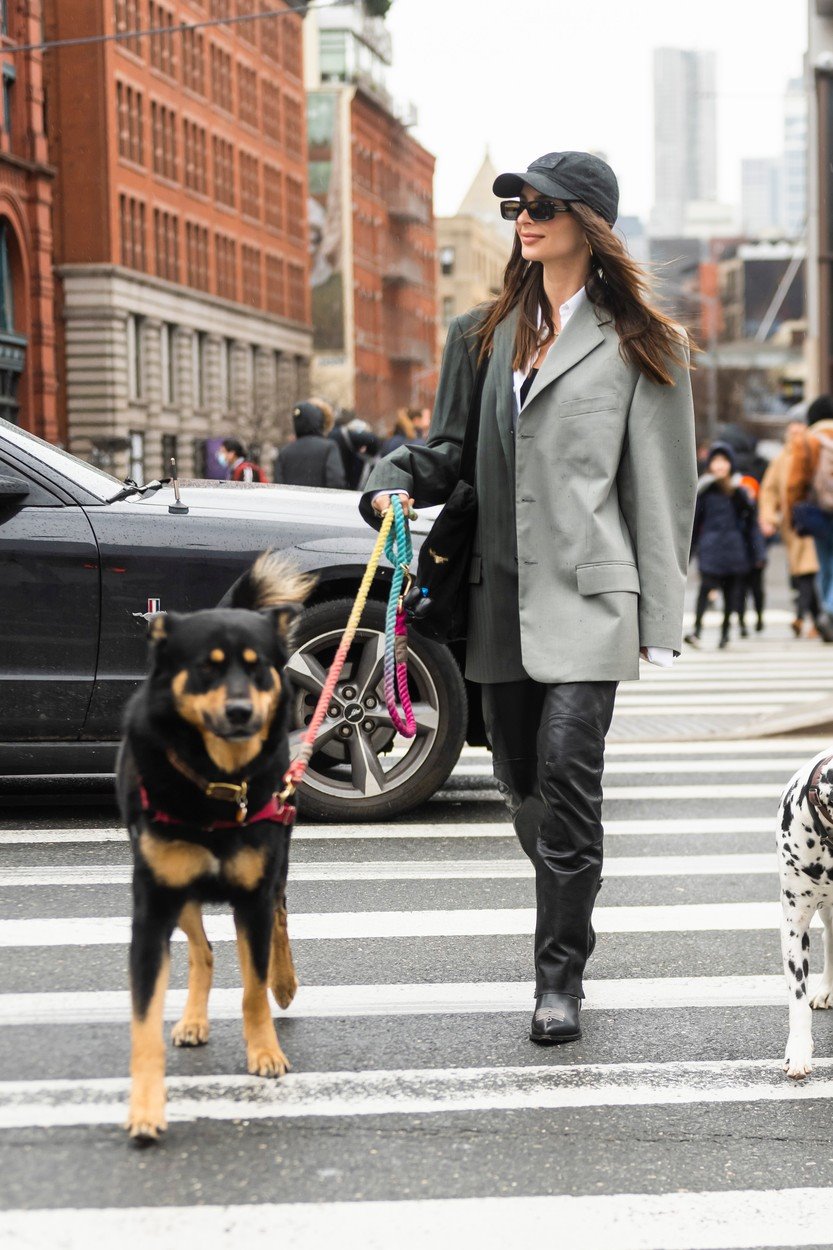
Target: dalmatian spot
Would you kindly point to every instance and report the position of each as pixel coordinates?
(811, 842)
(805, 942)
(812, 870)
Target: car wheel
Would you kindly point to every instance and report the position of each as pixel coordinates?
(362, 769)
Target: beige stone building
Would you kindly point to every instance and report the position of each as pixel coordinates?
(474, 246)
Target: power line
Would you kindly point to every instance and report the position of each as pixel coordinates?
(122, 36)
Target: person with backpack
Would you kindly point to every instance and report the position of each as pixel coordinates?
(232, 455)
(774, 517)
(312, 459)
(810, 498)
(726, 539)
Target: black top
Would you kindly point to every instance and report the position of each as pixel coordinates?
(526, 385)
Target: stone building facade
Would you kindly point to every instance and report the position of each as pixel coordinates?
(181, 229)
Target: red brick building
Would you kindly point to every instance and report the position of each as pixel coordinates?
(27, 318)
(181, 224)
(374, 278)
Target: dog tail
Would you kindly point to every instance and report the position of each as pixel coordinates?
(273, 581)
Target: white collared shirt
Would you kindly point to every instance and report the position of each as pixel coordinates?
(565, 312)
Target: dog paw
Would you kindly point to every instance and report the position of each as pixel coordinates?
(285, 990)
(798, 1060)
(822, 998)
(268, 1061)
(144, 1124)
(193, 1032)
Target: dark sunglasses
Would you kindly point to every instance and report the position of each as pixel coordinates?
(539, 210)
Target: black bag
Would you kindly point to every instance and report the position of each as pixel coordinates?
(437, 605)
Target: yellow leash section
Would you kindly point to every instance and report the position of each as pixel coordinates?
(295, 772)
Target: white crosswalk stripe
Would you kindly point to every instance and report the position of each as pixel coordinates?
(383, 1030)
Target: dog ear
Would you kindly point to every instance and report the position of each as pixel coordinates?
(284, 617)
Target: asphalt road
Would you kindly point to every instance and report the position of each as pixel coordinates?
(417, 1110)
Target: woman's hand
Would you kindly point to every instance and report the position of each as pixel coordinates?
(767, 529)
(382, 502)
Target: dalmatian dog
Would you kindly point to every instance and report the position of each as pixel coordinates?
(805, 855)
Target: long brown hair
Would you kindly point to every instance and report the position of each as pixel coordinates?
(616, 285)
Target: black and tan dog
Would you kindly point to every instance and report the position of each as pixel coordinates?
(205, 748)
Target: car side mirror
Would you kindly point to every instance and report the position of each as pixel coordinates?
(12, 488)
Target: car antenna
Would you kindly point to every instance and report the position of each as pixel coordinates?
(177, 506)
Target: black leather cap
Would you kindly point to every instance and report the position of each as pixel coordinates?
(568, 176)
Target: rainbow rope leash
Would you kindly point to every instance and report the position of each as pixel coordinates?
(399, 550)
(395, 643)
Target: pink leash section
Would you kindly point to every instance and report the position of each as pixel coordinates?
(396, 678)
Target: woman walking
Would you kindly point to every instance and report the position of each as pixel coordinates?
(726, 538)
(585, 484)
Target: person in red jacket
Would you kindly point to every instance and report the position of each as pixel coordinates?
(232, 455)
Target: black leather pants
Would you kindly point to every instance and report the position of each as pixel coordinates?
(548, 754)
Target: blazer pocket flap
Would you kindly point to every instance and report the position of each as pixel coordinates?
(592, 403)
(597, 579)
(475, 570)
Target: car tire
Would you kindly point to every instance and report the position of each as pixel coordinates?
(365, 771)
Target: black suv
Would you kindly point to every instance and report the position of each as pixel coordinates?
(84, 559)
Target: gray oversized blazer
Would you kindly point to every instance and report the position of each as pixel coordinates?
(584, 512)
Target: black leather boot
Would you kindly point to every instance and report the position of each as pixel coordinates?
(555, 1019)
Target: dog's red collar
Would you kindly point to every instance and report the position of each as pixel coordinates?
(276, 811)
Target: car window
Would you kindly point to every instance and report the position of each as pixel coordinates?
(38, 497)
(98, 483)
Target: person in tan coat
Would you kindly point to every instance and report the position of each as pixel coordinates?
(804, 452)
(774, 516)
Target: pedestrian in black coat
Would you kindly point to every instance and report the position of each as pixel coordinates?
(726, 538)
(312, 460)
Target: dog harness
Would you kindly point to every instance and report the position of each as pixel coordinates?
(276, 810)
(817, 802)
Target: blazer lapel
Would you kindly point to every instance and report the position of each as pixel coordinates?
(579, 337)
(501, 370)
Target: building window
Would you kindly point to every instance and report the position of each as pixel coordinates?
(128, 17)
(135, 370)
(448, 309)
(293, 127)
(270, 33)
(169, 453)
(133, 233)
(252, 280)
(247, 95)
(4, 17)
(273, 196)
(167, 363)
(130, 107)
(199, 343)
(163, 125)
(225, 255)
(6, 284)
(195, 149)
(196, 249)
(136, 471)
(272, 115)
(221, 78)
(249, 185)
(225, 374)
(193, 60)
(162, 52)
(223, 153)
(166, 244)
(9, 76)
(292, 58)
(295, 215)
(297, 293)
(248, 30)
(447, 261)
(276, 285)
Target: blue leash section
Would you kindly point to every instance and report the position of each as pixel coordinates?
(399, 550)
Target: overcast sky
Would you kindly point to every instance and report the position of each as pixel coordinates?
(532, 76)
